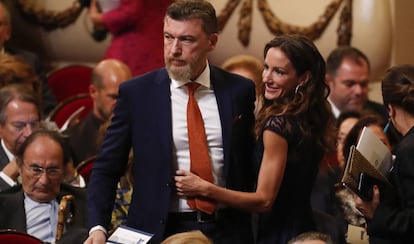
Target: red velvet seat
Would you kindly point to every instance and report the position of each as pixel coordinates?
(15, 237)
(69, 81)
(84, 168)
(71, 110)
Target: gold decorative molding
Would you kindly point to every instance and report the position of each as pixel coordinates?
(51, 20)
(345, 25)
(227, 11)
(277, 26)
(48, 19)
(245, 22)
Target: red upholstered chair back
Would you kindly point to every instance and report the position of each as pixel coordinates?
(71, 110)
(84, 168)
(69, 81)
(15, 237)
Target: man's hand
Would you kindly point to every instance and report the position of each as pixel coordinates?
(12, 170)
(367, 208)
(96, 237)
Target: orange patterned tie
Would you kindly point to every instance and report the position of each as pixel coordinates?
(199, 156)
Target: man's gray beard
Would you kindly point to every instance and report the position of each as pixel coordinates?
(180, 74)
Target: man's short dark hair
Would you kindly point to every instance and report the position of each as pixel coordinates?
(195, 9)
(336, 57)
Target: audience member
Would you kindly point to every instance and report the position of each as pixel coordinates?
(376, 125)
(190, 237)
(14, 70)
(150, 116)
(33, 206)
(249, 67)
(344, 123)
(106, 78)
(348, 75)
(390, 217)
(323, 197)
(19, 117)
(294, 130)
(136, 28)
(48, 100)
(311, 238)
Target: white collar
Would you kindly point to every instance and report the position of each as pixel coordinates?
(336, 112)
(203, 79)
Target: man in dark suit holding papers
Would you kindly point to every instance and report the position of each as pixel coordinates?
(150, 116)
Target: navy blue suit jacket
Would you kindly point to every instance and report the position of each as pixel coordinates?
(143, 120)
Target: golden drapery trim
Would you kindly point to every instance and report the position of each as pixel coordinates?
(345, 25)
(277, 26)
(58, 19)
(48, 19)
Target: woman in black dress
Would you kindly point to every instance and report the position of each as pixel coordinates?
(294, 130)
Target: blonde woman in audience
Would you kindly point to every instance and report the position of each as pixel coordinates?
(191, 237)
(249, 67)
(311, 238)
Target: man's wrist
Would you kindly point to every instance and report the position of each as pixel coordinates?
(100, 228)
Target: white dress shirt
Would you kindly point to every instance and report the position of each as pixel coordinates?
(336, 112)
(41, 219)
(207, 103)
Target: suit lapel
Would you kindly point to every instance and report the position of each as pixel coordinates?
(162, 116)
(4, 160)
(16, 204)
(224, 102)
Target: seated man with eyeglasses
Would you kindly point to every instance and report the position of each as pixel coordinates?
(19, 117)
(33, 207)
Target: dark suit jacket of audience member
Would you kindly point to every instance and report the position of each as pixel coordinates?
(13, 216)
(48, 99)
(143, 117)
(83, 138)
(4, 160)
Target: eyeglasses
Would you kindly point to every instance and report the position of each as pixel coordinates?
(37, 171)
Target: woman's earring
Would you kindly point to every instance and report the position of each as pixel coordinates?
(387, 126)
(297, 88)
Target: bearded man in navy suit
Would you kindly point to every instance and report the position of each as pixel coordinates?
(150, 117)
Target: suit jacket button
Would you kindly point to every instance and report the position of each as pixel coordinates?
(162, 221)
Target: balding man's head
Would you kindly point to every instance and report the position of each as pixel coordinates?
(106, 78)
(110, 70)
